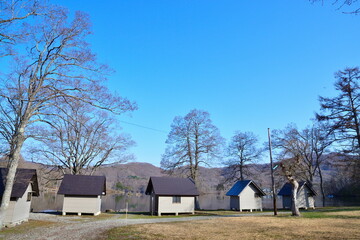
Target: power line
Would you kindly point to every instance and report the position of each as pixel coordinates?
(141, 126)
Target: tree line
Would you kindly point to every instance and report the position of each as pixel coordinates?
(53, 96)
(194, 141)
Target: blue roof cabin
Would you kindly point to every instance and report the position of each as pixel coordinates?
(245, 195)
(305, 195)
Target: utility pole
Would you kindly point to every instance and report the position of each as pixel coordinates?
(272, 174)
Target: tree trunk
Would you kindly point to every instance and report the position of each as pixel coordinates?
(197, 202)
(294, 208)
(322, 187)
(14, 158)
(241, 172)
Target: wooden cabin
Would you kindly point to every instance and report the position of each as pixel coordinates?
(171, 195)
(82, 194)
(25, 187)
(305, 196)
(245, 195)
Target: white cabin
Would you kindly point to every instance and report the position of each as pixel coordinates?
(305, 196)
(82, 194)
(25, 187)
(245, 195)
(171, 195)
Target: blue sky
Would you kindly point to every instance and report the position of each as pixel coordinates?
(250, 64)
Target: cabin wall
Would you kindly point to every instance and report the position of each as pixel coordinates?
(166, 205)
(18, 210)
(10, 212)
(81, 204)
(286, 201)
(249, 200)
(305, 199)
(234, 202)
(153, 203)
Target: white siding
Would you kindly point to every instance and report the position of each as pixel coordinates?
(166, 205)
(18, 210)
(81, 204)
(10, 212)
(248, 200)
(304, 199)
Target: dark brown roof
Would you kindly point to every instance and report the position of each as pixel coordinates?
(170, 186)
(83, 185)
(23, 177)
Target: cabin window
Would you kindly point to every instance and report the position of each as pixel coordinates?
(28, 199)
(176, 199)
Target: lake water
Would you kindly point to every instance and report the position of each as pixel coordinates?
(117, 202)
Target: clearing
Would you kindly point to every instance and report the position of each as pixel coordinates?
(332, 223)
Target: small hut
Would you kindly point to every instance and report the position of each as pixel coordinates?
(305, 195)
(245, 195)
(171, 195)
(25, 186)
(82, 194)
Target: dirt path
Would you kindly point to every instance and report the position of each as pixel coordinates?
(74, 227)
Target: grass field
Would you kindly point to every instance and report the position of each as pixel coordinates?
(328, 223)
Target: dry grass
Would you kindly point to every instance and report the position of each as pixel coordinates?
(24, 227)
(349, 213)
(244, 228)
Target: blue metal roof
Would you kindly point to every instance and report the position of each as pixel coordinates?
(287, 188)
(239, 186)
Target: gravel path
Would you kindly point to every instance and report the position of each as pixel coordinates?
(75, 227)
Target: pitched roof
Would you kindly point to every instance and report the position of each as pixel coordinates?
(23, 177)
(287, 188)
(83, 185)
(170, 186)
(239, 186)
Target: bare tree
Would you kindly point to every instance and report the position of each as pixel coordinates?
(80, 139)
(321, 140)
(192, 141)
(307, 147)
(242, 151)
(342, 112)
(57, 64)
(289, 168)
(12, 25)
(343, 3)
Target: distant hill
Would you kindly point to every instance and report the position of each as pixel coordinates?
(133, 177)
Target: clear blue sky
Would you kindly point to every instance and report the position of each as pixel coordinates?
(250, 64)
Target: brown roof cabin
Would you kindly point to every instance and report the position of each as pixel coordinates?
(171, 195)
(82, 194)
(245, 195)
(25, 186)
(305, 195)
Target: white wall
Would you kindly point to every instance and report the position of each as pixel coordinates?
(81, 204)
(304, 200)
(248, 199)
(166, 205)
(19, 210)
